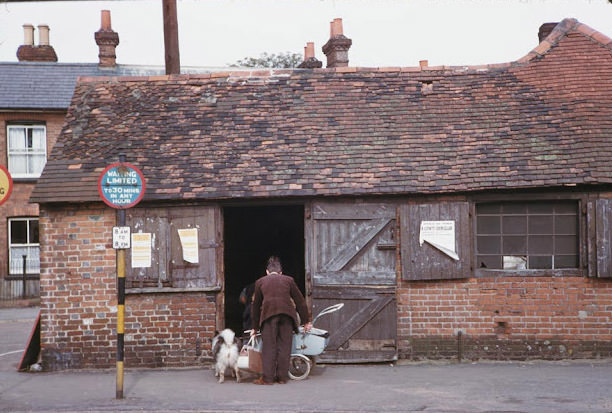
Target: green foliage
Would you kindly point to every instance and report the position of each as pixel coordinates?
(271, 60)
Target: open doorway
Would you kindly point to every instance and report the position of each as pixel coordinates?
(251, 235)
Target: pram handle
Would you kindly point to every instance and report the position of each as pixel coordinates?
(328, 310)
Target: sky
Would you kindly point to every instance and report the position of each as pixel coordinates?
(385, 33)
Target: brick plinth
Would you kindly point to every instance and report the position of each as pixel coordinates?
(42, 53)
(506, 318)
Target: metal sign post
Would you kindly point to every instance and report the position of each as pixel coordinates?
(121, 186)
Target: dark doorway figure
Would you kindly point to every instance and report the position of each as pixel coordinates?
(251, 235)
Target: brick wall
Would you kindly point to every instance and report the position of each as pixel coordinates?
(77, 287)
(169, 330)
(78, 302)
(506, 318)
(499, 318)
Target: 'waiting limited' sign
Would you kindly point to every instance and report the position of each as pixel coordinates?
(121, 185)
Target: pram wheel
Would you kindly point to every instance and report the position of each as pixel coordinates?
(299, 367)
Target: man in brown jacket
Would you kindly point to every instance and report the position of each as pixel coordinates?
(274, 313)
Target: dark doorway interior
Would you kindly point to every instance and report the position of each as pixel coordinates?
(252, 234)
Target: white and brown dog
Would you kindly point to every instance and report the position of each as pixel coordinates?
(225, 353)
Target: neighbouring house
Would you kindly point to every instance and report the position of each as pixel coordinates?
(456, 211)
(35, 93)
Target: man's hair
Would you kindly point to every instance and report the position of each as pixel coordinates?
(274, 265)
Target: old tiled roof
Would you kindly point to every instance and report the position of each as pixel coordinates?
(542, 121)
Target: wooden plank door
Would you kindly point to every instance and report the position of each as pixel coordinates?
(351, 255)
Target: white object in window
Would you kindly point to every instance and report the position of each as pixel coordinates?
(27, 150)
(23, 240)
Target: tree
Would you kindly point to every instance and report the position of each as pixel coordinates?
(271, 60)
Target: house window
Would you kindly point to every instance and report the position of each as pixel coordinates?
(527, 235)
(27, 150)
(23, 241)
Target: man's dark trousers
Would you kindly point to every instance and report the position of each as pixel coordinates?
(277, 334)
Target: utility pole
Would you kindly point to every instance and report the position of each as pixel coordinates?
(171, 43)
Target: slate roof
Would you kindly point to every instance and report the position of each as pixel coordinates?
(542, 121)
(49, 85)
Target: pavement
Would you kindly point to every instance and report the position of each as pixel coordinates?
(568, 386)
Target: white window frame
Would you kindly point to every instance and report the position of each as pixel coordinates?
(17, 168)
(32, 249)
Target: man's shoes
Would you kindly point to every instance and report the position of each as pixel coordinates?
(281, 381)
(260, 381)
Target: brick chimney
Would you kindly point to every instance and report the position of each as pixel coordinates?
(336, 48)
(28, 52)
(310, 61)
(545, 30)
(107, 40)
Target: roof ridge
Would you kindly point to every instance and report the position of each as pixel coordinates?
(561, 30)
(270, 73)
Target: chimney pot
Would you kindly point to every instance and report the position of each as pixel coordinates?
(106, 20)
(335, 27)
(336, 48)
(309, 51)
(310, 61)
(28, 35)
(43, 35)
(545, 30)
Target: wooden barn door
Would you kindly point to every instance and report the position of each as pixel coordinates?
(350, 255)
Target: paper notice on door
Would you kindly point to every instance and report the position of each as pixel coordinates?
(189, 241)
(440, 235)
(141, 250)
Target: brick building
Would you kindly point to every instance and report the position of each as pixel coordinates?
(456, 211)
(35, 93)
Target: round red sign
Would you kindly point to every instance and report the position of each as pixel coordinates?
(121, 185)
(6, 184)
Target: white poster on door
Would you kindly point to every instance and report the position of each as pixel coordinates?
(141, 250)
(440, 235)
(189, 241)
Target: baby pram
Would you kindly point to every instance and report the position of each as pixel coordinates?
(306, 345)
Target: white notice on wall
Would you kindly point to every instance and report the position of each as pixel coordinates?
(141, 250)
(441, 235)
(189, 241)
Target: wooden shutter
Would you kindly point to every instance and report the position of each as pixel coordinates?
(155, 222)
(168, 268)
(204, 273)
(599, 239)
(425, 262)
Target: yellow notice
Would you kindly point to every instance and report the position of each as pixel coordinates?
(141, 250)
(189, 241)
